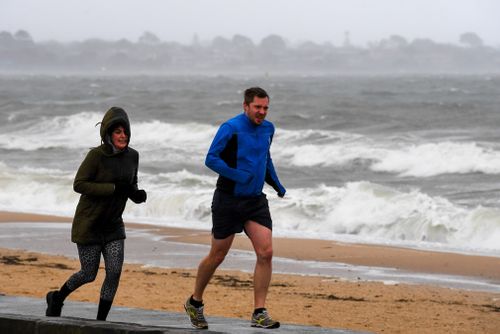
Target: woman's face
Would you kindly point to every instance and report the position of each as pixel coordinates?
(119, 138)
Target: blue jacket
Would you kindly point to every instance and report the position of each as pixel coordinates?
(240, 155)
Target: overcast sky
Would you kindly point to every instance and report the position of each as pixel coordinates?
(296, 20)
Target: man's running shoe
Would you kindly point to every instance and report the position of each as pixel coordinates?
(264, 320)
(195, 315)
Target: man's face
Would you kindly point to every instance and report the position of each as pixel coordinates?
(256, 111)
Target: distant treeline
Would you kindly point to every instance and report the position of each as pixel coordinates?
(20, 53)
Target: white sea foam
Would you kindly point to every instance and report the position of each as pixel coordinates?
(79, 131)
(59, 131)
(187, 136)
(188, 142)
(180, 198)
(367, 212)
(37, 190)
(355, 212)
(440, 158)
(327, 149)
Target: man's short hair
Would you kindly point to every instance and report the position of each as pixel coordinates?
(252, 92)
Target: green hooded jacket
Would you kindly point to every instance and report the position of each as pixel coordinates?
(98, 216)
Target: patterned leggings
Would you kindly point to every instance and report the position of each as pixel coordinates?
(90, 256)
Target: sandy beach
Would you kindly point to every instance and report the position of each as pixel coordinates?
(312, 300)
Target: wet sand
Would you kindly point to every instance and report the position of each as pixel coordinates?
(322, 301)
(484, 267)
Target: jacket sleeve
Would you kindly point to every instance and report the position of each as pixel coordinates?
(134, 180)
(215, 162)
(84, 180)
(272, 177)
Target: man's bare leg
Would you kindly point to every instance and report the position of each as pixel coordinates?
(207, 266)
(261, 238)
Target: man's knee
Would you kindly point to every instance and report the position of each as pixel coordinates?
(265, 254)
(219, 250)
(218, 257)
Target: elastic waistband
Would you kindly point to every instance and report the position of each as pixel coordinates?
(226, 193)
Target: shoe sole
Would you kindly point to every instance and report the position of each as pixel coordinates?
(276, 325)
(47, 300)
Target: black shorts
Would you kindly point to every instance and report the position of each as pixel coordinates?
(230, 213)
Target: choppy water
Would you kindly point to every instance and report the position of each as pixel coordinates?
(405, 160)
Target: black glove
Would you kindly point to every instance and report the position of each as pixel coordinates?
(281, 195)
(123, 188)
(138, 196)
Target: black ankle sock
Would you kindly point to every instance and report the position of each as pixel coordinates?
(195, 303)
(63, 293)
(259, 310)
(103, 310)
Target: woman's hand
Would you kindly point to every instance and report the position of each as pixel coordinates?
(139, 196)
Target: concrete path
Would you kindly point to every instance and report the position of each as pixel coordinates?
(23, 315)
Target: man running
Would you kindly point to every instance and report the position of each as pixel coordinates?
(240, 154)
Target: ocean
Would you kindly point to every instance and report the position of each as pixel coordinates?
(403, 160)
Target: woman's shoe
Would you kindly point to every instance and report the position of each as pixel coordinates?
(54, 305)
